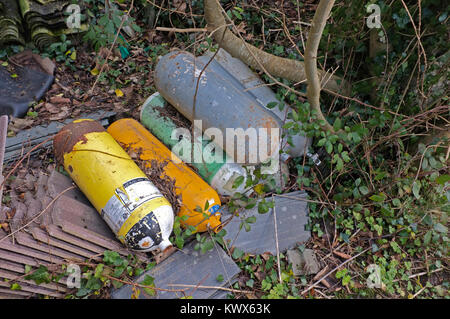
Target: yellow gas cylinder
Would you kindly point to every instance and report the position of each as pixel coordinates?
(134, 209)
(195, 192)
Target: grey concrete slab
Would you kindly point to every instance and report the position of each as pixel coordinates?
(188, 267)
(291, 216)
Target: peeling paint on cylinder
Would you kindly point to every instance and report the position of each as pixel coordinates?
(243, 78)
(134, 209)
(219, 103)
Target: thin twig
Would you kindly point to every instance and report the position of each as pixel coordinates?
(212, 287)
(144, 286)
(178, 30)
(276, 239)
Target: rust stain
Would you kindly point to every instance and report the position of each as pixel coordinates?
(173, 56)
(71, 134)
(268, 123)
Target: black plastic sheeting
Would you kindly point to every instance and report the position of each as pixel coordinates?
(19, 92)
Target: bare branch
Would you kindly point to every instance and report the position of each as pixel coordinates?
(276, 66)
(312, 45)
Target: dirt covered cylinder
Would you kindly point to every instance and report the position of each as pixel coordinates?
(135, 210)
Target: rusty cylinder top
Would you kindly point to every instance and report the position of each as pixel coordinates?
(71, 134)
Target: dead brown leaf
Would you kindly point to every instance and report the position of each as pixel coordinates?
(342, 255)
(61, 115)
(59, 100)
(51, 108)
(18, 124)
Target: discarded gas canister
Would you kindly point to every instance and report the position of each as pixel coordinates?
(200, 203)
(250, 83)
(219, 171)
(251, 133)
(134, 209)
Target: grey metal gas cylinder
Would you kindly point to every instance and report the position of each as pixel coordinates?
(250, 82)
(250, 132)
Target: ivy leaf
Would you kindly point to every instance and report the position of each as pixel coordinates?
(378, 198)
(179, 241)
(238, 181)
(395, 247)
(15, 286)
(364, 190)
(27, 269)
(345, 156)
(149, 281)
(99, 270)
(440, 228)
(322, 142)
(208, 245)
(251, 220)
(94, 283)
(237, 253)
(263, 207)
(329, 147)
(427, 238)
(339, 164)
(416, 189)
(443, 179)
(39, 276)
(112, 258)
(337, 124)
(396, 202)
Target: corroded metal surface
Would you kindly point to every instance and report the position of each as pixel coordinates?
(71, 134)
(218, 104)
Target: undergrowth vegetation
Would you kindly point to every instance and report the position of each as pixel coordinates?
(380, 198)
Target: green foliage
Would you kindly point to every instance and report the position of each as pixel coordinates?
(39, 276)
(114, 271)
(104, 26)
(62, 51)
(381, 180)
